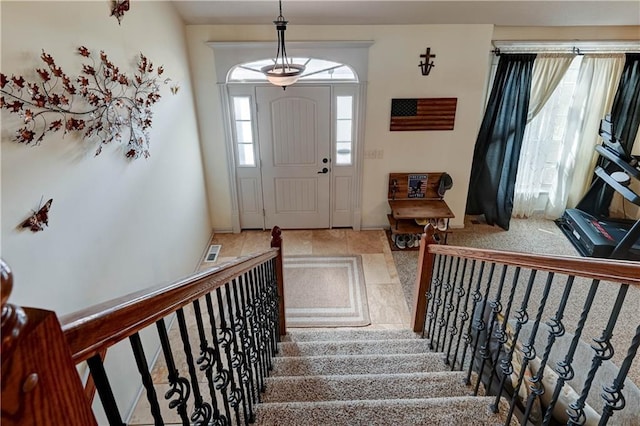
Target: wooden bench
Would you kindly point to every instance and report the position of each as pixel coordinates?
(414, 196)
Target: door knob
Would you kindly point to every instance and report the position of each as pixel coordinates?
(325, 160)
(323, 171)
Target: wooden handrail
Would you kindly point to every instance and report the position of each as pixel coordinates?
(620, 271)
(92, 330)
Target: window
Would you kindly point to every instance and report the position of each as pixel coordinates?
(243, 130)
(344, 132)
(548, 128)
(544, 137)
(315, 69)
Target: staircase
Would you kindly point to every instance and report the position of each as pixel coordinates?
(367, 377)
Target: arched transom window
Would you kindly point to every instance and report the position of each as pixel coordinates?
(315, 69)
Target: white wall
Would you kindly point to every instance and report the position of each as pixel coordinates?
(461, 67)
(115, 225)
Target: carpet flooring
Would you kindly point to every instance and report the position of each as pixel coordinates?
(325, 291)
(353, 377)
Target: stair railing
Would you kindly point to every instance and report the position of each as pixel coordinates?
(215, 370)
(499, 315)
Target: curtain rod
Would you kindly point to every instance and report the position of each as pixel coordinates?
(576, 47)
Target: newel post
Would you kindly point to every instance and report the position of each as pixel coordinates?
(423, 279)
(276, 242)
(40, 384)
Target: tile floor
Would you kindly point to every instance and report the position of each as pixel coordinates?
(387, 305)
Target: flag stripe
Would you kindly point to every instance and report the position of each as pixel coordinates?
(423, 114)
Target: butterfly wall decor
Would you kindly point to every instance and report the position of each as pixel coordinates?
(36, 221)
(118, 8)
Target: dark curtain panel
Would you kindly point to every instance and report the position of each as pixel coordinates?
(497, 150)
(625, 117)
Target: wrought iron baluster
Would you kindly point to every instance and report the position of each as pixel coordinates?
(179, 385)
(147, 381)
(556, 329)
(206, 361)
(202, 411)
(435, 281)
(614, 399)
(529, 350)
(603, 351)
(245, 344)
(104, 391)
(223, 376)
(225, 339)
(453, 330)
(264, 315)
(496, 309)
(480, 324)
(237, 357)
(501, 333)
(254, 325)
(477, 297)
(564, 368)
(437, 301)
(522, 317)
(262, 320)
(464, 315)
(272, 291)
(448, 308)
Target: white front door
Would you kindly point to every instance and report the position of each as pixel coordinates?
(295, 137)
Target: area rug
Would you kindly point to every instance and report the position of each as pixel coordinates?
(325, 291)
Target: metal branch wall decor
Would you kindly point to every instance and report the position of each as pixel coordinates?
(102, 104)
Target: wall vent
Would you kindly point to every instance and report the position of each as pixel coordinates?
(212, 254)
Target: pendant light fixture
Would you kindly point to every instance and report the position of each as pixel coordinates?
(283, 72)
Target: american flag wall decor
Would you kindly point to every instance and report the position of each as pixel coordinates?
(423, 114)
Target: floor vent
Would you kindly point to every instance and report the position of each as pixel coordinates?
(212, 255)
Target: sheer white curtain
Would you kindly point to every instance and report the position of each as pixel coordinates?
(596, 86)
(548, 71)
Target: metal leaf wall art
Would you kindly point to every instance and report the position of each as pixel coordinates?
(102, 104)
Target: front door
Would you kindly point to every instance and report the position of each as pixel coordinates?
(294, 128)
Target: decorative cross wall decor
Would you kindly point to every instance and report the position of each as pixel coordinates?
(426, 66)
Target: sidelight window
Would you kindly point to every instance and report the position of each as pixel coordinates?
(344, 130)
(243, 131)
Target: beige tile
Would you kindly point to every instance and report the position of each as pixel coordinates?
(387, 305)
(375, 269)
(329, 241)
(297, 242)
(391, 268)
(256, 241)
(359, 242)
(231, 244)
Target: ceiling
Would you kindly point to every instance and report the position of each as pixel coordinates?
(390, 12)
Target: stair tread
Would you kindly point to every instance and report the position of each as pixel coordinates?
(347, 347)
(341, 335)
(365, 386)
(358, 364)
(465, 410)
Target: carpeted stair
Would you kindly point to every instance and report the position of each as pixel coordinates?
(367, 377)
